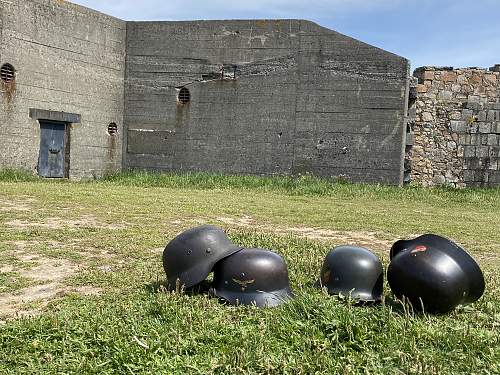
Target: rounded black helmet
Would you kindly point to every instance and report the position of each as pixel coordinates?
(353, 271)
(434, 273)
(252, 277)
(190, 257)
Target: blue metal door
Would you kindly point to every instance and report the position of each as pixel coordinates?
(52, 149)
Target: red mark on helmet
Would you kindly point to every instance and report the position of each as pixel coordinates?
(419, 249)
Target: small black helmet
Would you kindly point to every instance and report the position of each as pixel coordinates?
(353, 271)
(190, 257)
(434, 273)
(252, 277)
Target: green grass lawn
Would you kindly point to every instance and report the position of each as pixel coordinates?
(81, 273)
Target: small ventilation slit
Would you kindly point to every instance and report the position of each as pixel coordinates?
(184, 96)
(112, 129)
(7, 73)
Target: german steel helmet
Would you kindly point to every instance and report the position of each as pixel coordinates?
(434, 273)
(353, 271)
(190, 257)
(252, 277)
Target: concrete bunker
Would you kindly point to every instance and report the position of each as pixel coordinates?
(236, 96)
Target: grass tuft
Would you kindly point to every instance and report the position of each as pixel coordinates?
(306, 185)
(17, 175)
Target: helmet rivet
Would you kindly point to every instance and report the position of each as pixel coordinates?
(209, 250)
(190, 252)
(243, 274)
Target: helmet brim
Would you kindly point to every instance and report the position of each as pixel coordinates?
(198, 273)
(398, 247)
(258, 298)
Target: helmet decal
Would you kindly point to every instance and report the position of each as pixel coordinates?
(419, 249)
(244, 284)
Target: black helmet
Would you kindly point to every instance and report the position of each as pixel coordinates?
(190, 257)
(252, 277)
(434, 272)
(353, 271)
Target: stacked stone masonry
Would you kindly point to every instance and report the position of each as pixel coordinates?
(456, 132)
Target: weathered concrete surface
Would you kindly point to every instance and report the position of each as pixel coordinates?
(305, 100)
(68, 59)
(294, 97)
(42, 114)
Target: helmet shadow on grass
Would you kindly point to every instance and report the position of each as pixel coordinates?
(204, 288)
(397, 306)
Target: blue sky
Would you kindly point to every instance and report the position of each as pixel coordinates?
(458, 33)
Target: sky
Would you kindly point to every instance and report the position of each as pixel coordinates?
(457, 33)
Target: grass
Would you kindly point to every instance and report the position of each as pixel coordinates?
(120, 225)
(16, 175)
(12, 282)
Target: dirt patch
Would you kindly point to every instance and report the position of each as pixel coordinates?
(6, 269)
(244, 221)
(50, 270)
(87, 221)
(489, 258)
(362, 238)
(16, 205)
(158, 250)
(48, 273)
(11, 304)
(14, 305)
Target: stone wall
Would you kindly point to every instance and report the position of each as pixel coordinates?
(267, 97)
(457, 127)
(68, 59)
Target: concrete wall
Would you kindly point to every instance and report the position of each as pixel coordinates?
(305, 100)
(457, 127)
(68, 59)
(295, 97)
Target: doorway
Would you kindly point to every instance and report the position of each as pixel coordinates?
(53, 159)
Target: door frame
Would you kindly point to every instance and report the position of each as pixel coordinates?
(67, 145)
(67, 118)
